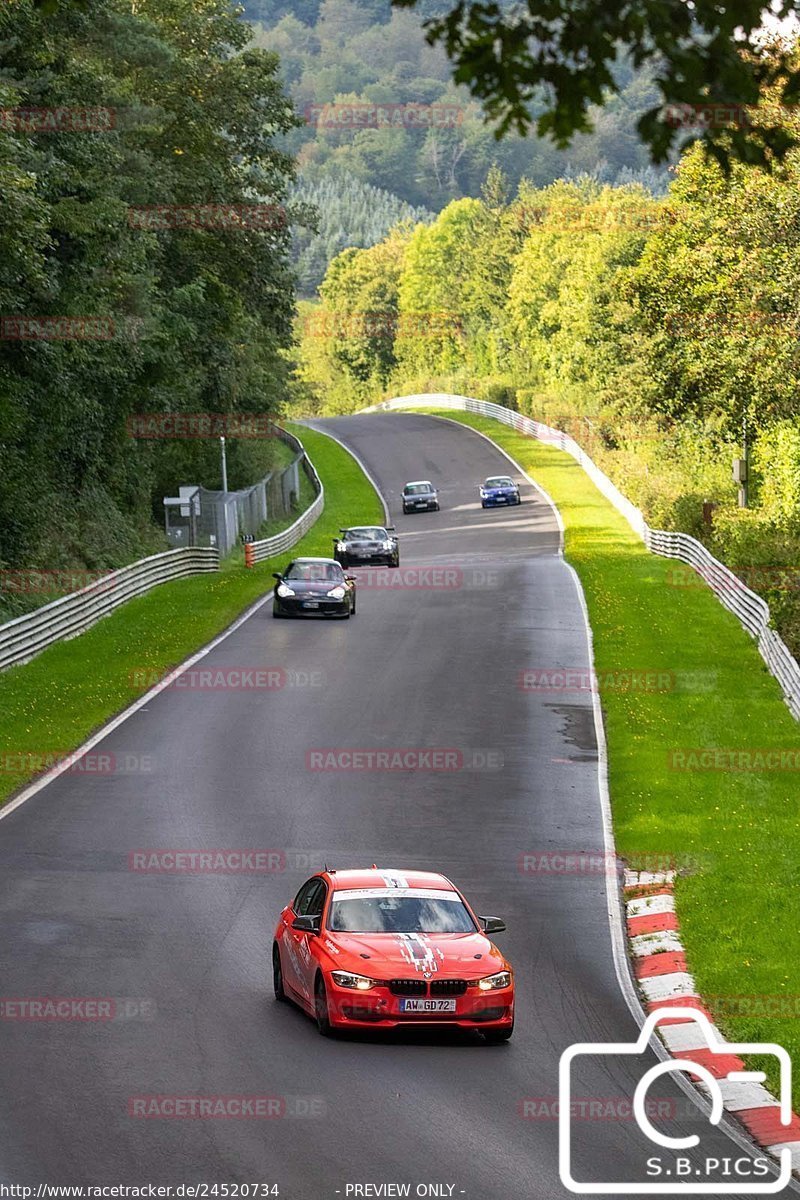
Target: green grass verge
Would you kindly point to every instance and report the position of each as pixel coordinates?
(52, 704)
(738, 908)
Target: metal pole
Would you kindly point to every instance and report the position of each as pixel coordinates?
(224, 465)
(743, 499)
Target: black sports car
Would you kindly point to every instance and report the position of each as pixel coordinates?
(419, 496)
(314, 587)
(363, 545)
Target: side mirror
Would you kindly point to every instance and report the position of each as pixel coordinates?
(492, 924)
(306, 924)
(277, 575)
(351, 579)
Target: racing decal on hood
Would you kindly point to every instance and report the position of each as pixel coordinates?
(417, 950)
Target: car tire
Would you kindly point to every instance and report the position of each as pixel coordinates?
(483, 504)
(436, 508)
(353, 609)
(495, 1036)
(321, 1013)
(277, 975)
(275, 613)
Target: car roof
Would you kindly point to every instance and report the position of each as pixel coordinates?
(417, 482)
(387, 877)
(314, 560)
(488, 477)
(356, 528)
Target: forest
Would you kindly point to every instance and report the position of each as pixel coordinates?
(652, 313)
(113, 117)
(659, 332)
(343, 58)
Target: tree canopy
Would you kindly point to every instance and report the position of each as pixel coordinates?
(193, 318)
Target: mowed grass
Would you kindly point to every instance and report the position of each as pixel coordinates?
(51, 704)
(739, 904)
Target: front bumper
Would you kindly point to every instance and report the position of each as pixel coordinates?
(493, 501)
(419, 505)
(296, 606)
(379, 1008)
(383, 558)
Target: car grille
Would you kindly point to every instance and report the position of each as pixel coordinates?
(448, 987)
(408, 987)
(418, 987)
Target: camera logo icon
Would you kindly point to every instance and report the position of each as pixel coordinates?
(680, 1181)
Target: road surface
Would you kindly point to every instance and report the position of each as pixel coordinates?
(434, 665)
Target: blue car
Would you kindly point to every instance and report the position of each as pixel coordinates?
(499, 489)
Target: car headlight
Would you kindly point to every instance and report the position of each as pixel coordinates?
(337, 593)
(491, 982)
(388, 545)
(341, 546)
(285, 590)
(346, 979)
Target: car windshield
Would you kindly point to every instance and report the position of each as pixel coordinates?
(390, 913)
(499, 481)
(417, 489)
(323, 572)
(370, 533)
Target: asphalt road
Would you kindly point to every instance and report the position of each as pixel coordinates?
(420, 666)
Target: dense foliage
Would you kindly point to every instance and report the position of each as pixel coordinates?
(348, 213)
(551, 65)
(194, 319)
(361, 52)
(652, 329)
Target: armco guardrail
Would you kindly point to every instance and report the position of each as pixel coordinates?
(24, 637)
(256, 552)
(751, 609)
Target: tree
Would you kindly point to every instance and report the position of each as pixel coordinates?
(194, 319)
(561, 53)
